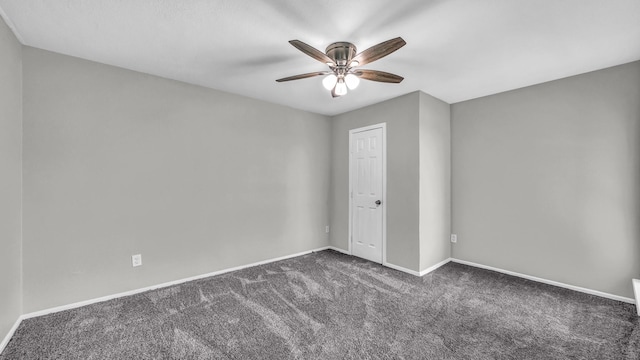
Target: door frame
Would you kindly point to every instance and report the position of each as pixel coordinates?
(382, 126)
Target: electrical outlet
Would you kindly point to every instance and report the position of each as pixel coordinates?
(326, 229)
(136, 260)
(454, 238)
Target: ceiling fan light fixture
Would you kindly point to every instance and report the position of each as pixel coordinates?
(330, 81)
(342, 57)
(352, 81)
(341, 87)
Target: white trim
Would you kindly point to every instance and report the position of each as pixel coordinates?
(548, 282)
(321, 249)
(382, 126)
(337, 249)
(434, 267)
(11, 26)
(636, 292)
(163, 285)
(384, 193)
(416, 273)
(403, 269)
(9, 335)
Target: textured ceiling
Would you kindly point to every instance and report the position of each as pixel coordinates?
(456, 49)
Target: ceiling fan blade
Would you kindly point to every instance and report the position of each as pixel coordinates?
(313, 52)
(375, 75)
(379, 51)
(304, 76)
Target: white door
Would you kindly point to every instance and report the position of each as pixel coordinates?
(367, 180)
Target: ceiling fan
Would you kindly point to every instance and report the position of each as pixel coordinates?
(343, 64)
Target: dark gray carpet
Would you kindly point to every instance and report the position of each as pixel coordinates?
(331, 306)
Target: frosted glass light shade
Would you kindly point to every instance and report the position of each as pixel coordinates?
(329, 82)
(341, 88)
(352, 81)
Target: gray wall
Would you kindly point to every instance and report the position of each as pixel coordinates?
(401, 116)
(546, 180)
(435, 180)
(10, 175)
(118, 163)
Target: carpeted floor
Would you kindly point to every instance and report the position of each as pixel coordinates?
(332, 306)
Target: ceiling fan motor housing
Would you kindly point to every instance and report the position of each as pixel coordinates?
(342, 52)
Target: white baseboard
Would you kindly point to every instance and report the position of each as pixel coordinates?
(9, 335)
(636, 293)
(549, 282)
(163, 285)
(397, 267)
(337, 249)
(417, 273)
(432, 268)
(400, 268)
(389, 265)
(384, 263)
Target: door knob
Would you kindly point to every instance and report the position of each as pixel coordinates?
(378, 202)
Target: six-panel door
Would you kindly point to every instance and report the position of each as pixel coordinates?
(366, 178)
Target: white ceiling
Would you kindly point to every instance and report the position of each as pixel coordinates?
(456, 49)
